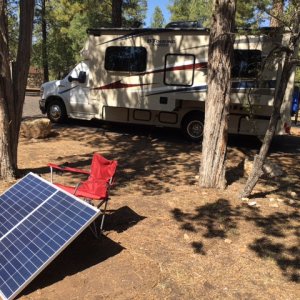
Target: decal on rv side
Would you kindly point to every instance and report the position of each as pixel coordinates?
(160, 43)
(67, 90)
(186, 66)
(119, 85)
(198, 88)
(134, 34)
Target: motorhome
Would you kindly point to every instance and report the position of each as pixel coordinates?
(158, 77)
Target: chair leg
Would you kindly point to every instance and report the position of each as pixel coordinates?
(103, 215)
(51, 170)
(94, 230)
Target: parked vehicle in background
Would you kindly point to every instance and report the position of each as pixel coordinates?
(295, 103)
(158, 77)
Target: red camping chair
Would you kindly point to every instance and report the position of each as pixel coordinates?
(98, 184)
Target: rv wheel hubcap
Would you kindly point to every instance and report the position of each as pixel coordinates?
(55, 111)
(195, 129)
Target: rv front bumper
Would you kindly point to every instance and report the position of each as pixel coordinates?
(42, 104)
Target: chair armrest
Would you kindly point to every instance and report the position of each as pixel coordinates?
(68, 169)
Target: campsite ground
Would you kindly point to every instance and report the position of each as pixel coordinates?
(165, 238)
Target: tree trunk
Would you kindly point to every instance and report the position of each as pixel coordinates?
(287, 69)
(116, 14)
(6, 166)
(259, 159)
(12, 87)
(6, 96)
(44, 43)
(277, 13)
(214, 146)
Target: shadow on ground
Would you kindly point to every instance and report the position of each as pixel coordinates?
(121, 219)
(158, 159)
(85, 252)
(220, 220)
(148, 158)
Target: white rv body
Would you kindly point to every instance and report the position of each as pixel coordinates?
(158, 77)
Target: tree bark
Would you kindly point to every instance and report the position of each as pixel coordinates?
(6, 96)
(12, 87)
(214, 146)
(44, 43)
(116, 14)
(6, 169)
(277, 13)
(287, 69)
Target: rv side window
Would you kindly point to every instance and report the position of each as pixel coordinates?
(126, 59)
(179, 69)
(246, 63)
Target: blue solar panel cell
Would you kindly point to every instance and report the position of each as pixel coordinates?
(34, 241)
(20, 200)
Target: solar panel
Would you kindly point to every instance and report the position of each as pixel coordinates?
(38, 221)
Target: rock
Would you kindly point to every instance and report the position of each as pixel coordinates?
(247, 167)
(36, 129)
(293, 194)
(186, 237)
(274, 204)
(243, 249)
(245, 199)
(252, 203)
(269, 168)
(291, 201)
(228, 241)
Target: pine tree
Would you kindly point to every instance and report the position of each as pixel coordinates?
(158, 19)
(12, 85)
(277, 13)
(247, 12)
(67, 22)
(220, 52)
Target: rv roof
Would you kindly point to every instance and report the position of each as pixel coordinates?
(103, 31)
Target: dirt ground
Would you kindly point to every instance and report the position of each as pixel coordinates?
(165, 238)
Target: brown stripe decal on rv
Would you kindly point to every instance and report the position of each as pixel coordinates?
(197, 66)
(118, 85)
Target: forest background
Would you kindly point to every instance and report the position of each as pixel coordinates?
(60, 26)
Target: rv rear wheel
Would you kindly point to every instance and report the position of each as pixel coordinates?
(56, 111)
(193, 126)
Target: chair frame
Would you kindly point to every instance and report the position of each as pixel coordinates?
(109, 183)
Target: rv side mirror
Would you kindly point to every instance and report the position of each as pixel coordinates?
(82, 77)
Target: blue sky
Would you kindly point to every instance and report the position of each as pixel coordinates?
(163, 6)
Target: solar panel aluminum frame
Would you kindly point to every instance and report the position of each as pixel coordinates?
(67, 243)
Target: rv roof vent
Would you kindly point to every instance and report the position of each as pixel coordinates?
(185, 24)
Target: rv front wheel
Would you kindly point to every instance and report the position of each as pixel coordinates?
(193, 126)
(56, 111)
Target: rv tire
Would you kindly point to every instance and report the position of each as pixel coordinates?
(56, 111)
(193, 126)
